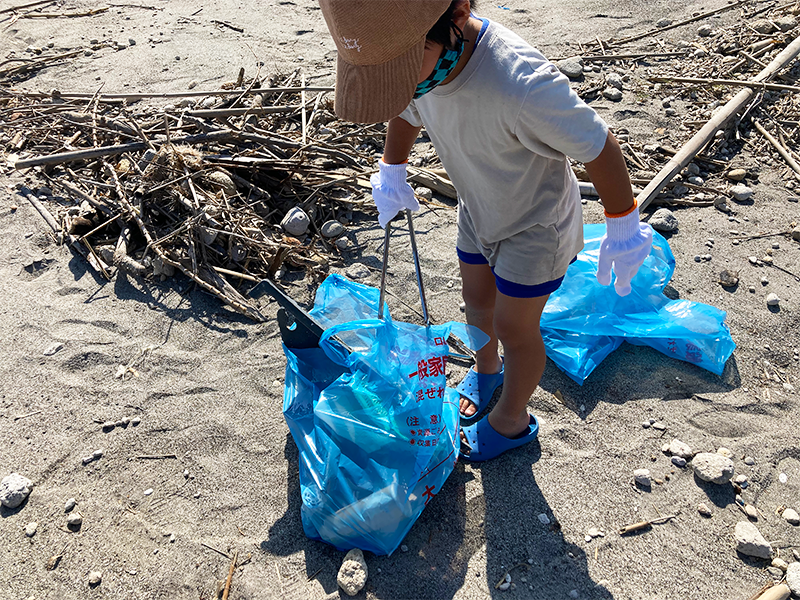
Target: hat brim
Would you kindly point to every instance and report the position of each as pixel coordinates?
(377, 93)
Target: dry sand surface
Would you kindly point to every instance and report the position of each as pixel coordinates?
(209, 385)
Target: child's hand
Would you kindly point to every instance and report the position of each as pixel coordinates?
(391, 192)
(625, 245)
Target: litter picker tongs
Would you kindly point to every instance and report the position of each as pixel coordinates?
(300, 330)
(415, 254)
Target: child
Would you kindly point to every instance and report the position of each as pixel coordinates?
(502, 119)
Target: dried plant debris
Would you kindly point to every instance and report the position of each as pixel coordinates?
(203, 186)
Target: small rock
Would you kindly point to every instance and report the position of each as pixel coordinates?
(741, 192)
(713, 467)
(14, 489)
(749, 541)
(424, 193)
(703, 510)
(694, 180)
(736, 174)
(646, 424)
(772, 299)
(53, 348)
(148, 492)
(544, 519)
(571, 67)
(785, 22)
(353, 573)
(97, 454)
(135, 421)
(222, 181)
(642, 477)
(678, 461)
(342, 243)
(192, 84)
(659, 426)
(95, 577)
(331, 229)
(403, 548)
(614, 80)
(87, 459)
(664, 220)
(574, 594)
(741, 480)
(172, 538)
(504, 586)
(704, 31)
(749, 461)
(357, 271)
(678, 448)
(296, 221)
(663, 22)
(751, 511)
(69, 505)
(612, 93)
(594, 532)
(753, 260)
(723, 451)
(791, 516)
(777, 574)
(793, 578)
(30, 529)
(74, 519)
(729, 278)
(779, 563)
(763, 26)
(796, 233)
(126, 421)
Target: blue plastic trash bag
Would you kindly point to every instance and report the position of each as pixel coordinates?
(583, 321)
(376, 427)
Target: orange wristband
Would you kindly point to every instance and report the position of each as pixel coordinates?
(622, 214)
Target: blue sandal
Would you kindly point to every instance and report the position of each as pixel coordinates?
(484, 443)
(479, 388)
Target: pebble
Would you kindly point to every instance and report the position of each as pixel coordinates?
(772, 299)
(679, 448)
(777, 574)
(74, 520)
(646, 424)
(736, 174)
(70, 504)
(148, 491)
(713, 467)
(87, 459)
(614, 80)
(751, 289)
(749, 541)
(728, 278)
(749, 461)
(785, 22)
(172, 538)
(574, 594)
(611, 93)
(571, 67)
(108, 425)
(403, 548)
(97, 454)
(751, 511)
(723, 451)
(52, 349)
(753, 260)
(796, 233)
(424, 193)
(95, 577)
(220, 180)
(703, 510)
(659, 425)
(694, 180)
(790, 516)
(779, 563)
(30, 529)
(296, 221)
(504, 586)
(357, 271)
(331, 229)
(642, 477)
(594, 532)
(544, 519)
(135, 421)
(14, 489)
(704, 31)
(741, 480)
(663, 22)
(664, 220)
(764, 280)
(741, 192)
(679, 461)
(342, 243)
(793, 578)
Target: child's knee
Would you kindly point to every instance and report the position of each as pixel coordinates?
(514, 331)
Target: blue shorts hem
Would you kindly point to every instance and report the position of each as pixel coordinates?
(471, 258)
(519, 290)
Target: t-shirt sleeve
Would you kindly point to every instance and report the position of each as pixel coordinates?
(411, 115)
(552, 116)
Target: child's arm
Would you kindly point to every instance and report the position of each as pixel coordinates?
(609, 174)
(627, 241)
(390, 190)
(400, 137)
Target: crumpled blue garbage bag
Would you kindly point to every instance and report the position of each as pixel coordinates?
(375, 424)
(583, 321)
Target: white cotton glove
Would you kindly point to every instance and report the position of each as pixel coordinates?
(625, 245)
(391, 192)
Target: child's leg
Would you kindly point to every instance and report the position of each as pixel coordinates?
(479, 292)
(516, 323)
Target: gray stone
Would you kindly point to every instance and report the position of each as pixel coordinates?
(69, 505)
(331, 229)
(14, 489)
(785, 22)
(218, 179)
(357, 271)
(791, 516)
(663, 22)
(342, 243)
(614, 80)
(659, 425)
(796, 233)
(736, 174)
(762, 26)
(53, 348)
(612, 93)
(135, 421)
(642, 477)
(544, 519)
(74, 520)
(741, 192)
(779, 563)
(772, 299)
(296, 221)
(403, 548)
(703, 510)
(749, 460)
(713, 467)
(793, 577)
(695, 180)
(424, 193)
(664, 220)
(678, 461)
(749, 541)
(571, 67)
(30, 529)
(97, 454)
(95, 577)
(353, 573)
(704, 31)
(750, 511)
(678, 448)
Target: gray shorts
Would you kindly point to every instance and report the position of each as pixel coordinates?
(518, 262)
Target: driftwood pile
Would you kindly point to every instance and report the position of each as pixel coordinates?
(200, 187)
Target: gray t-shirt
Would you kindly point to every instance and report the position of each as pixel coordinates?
(502, 129)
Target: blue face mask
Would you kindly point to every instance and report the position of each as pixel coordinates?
(444, 66)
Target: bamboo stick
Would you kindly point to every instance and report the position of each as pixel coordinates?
(734, 82)
(701, 138)
(779, 147)
(132, 97)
